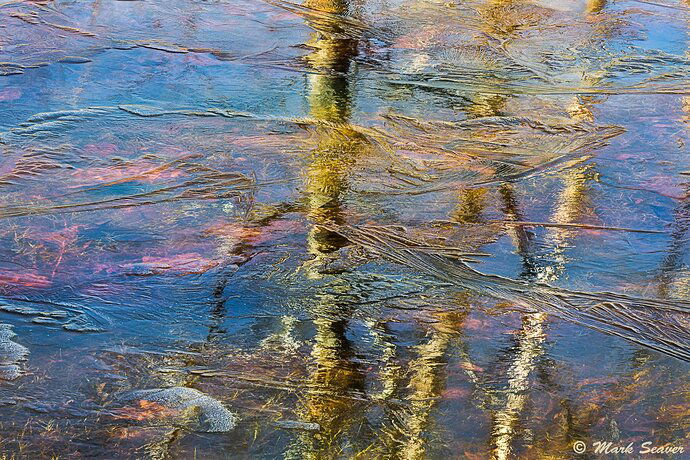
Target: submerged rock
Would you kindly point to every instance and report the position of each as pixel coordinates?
(208, 414)
(11, 354)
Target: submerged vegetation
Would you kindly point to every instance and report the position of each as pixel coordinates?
(343, 228)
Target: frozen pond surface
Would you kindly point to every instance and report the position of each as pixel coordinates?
(343, 228)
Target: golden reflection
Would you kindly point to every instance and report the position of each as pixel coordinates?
(337, 144)
(427, 382)
(471, 203)
(595, 6)
(497, 25)
(529, 349)
(408, 423)
(517, 233)
(336, 382)
(486, 105)
(499, 20)
(333, 395)
(502, 22)
(573, 205)
(391, 371)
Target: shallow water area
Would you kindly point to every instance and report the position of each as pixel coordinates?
(343, 229)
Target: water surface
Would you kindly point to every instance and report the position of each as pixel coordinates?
(343, 229)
